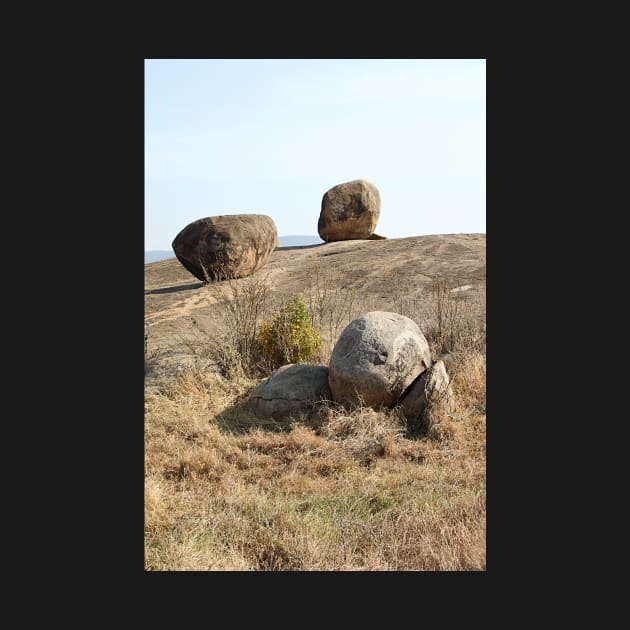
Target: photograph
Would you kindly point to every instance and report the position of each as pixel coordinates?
(315, 315)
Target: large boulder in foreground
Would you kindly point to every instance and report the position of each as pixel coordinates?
(226, 246)
(349, 211)
(376, 358)
(290, 392)
(430, 386)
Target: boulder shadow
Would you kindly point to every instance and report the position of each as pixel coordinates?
(238, 418)
(175, 289)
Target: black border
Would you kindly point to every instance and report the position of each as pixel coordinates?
(113, 184)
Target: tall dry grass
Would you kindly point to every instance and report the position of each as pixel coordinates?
(358, 491)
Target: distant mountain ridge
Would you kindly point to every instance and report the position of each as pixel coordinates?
(154, 255)
(294, 240)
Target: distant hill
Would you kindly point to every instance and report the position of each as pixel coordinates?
(375, 270)
(294, 240)
(157, 254)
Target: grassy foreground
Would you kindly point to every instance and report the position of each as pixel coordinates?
(358, 491)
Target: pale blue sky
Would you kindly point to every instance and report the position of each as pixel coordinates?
(271, 136)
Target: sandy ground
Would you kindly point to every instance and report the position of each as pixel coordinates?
(379, 271)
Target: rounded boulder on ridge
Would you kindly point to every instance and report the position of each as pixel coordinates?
(226, 246)
(376, 358)
(349, 211)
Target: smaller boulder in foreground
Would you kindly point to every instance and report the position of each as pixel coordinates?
(290, 392)
(431, 385)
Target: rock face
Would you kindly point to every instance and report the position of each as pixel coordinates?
(290, 392)
(431, 384)
(226, 246)
(377, 357)
(349, 211)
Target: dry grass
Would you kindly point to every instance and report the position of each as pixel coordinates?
(223, 493)
(355, 490)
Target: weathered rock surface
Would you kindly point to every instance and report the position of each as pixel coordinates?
(290, 392)
(376, 358)
(226, 246)
(432, 384)
(349, 211)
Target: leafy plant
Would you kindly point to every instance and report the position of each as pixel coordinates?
(289, 336)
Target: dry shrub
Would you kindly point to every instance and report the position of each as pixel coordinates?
(456, 321)
(451, 319)
(446, 416)
(249, 338)
(331, 304)
(232, 345)
(246, 306)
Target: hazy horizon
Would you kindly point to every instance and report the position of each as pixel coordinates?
(272, 136)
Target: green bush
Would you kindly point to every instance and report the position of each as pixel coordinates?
(289, 336)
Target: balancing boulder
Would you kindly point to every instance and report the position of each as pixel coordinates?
(349, 211)
(226, 246)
